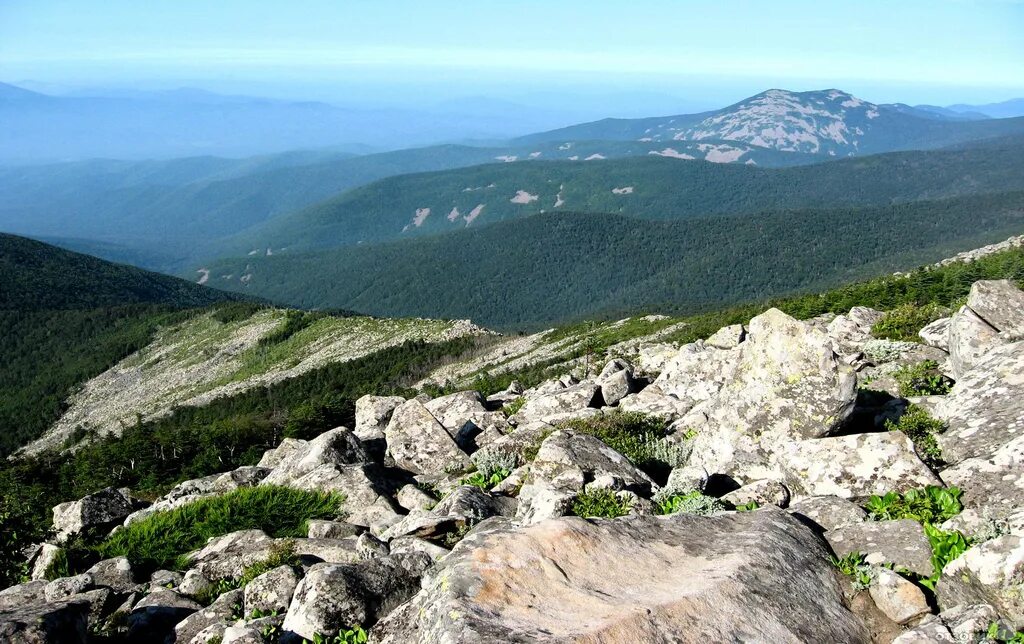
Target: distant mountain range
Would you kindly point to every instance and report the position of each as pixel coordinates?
(827, 122)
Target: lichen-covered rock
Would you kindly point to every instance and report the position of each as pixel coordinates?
(64, 587)
(697, 373)
(324, 529)
(63, 623)
(985, 409)
(271, 591)
(1001, 304)
(569, 463)
(155, 616)
(336, 447)
(217, 613)
(849, 332)
(21, 595)
(464, 417)
(970, 623)
(654, 402)
(828, 512)
(931, 630)
(936, 334)
(901, 600)
(560, 404)
(42, 557)
(412, 498)
(789, 384)
(852, 466)
(99, 511)
(988, 573)
(765, 492)
(758, 576)
(116, 574)
(994, 484)
(420, 444)
(275, 456)
(970, 338)
(228, 555)
(901, 542)
(373, 414)
(728, 337)
(331, 597)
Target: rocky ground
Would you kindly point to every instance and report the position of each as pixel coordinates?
(781, 481)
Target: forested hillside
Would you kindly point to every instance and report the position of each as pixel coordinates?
(649, 187)
(553, 267)
(67, 317)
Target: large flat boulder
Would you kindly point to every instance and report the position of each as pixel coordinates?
(98, 511)
(759, 576)
(560, 403)
(420, 444)
(988, 573)
(63, 622)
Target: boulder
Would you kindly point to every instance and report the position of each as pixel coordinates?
(420, 444)
(155, 616)
(229, 555)
(42, 558)
(402, 545)
(697, 373)
(100, 602)
(410, 497)
(901, 600)
(686, 479)
(22, 595)
(323, 529)
(194, 583)
(850, 332)
(653, 356)
(901, 542)
(116, 574)
(827, 512)
(100, 511)
(994, 484)
(217, 613)
(654, 402)
(336, 447)
(165, 578)
(274, 457)
(985, 409)
(465, 504)
(787, 384)
(1001, 304)
(988, 573)
(728, 337)
(373, 414)
(766, 492)
(271, 591)
(63, 623)
(936, 334)
(331, 597)
(617, 386)
(970, 623)
(852, 466)
(931, 630)
(569, 463)
(561, 404)
(753, 576)
(64, 587)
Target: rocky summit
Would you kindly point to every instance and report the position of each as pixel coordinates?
(783, 480)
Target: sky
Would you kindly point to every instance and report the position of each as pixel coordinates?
(699, 53)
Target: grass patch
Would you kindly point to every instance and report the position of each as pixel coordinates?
(904, 321)
(159, 540)
(635, 435)
(601, 503)
(920, 428)
(922, 379)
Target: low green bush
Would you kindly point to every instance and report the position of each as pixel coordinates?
(636, 436)
(920, 428)
(159, 540)
(922, 379)
(512, 408)
(946, 546)
(601, 503)
(931, 504)
(692, 502)
(353, 635)
(484, 481)
(904, 321)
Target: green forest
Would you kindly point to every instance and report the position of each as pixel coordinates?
(553, 268)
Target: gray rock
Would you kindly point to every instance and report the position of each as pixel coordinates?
(323, 529)
(100, 602)
(64, 587)
(569, 463)
(617, 386)
(217, 613)
(988, 573)
(788, 384)
(652, 401)
(212, 634)
(969, 623)
(22, 595)
(929, 631)
(60, 623)
(343, 550)
(271, 591)
(697, 373)
(274, 457)
(194, 583)
(337, 447)
(43, 556)
(651, 579)
(165, 578)
(970, 338)
(116, 574)
(765, 492)
(230, 554)
(370, 547)
(852, 466)
(412, 498)
(420, 444)
(465, 504)
(1001, 304)
(561, 404)
(404, 545)
(99, 511)
(154, 617)
(728, 337)
(901, 542)
(985, 409)
(686, 478)
(994, 484)
(828, 512)
(332, 596)
(936, 334)
(851, 331)
(242, 634)
(373, 414)
(901, 600)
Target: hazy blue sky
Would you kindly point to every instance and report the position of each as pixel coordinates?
(916, 51)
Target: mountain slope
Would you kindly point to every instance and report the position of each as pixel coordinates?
(651, 187)
(546, 268)
(826, 122)
(37, 276)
